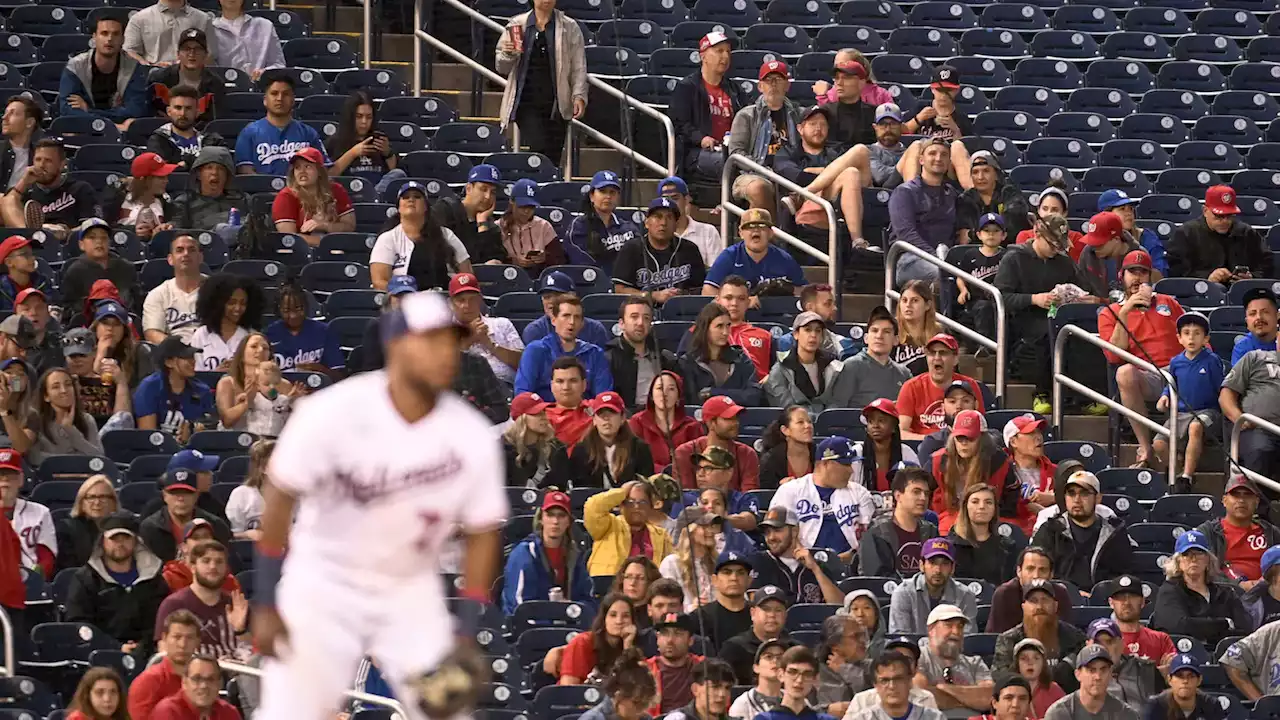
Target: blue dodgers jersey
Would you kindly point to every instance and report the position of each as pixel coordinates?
(268, 148)
(313, 344)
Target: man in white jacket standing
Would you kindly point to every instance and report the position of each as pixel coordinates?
(831, 510)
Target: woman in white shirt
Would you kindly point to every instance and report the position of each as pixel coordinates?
(245, 42)
(228, 307)
(244, 506)
(442, 252)
(694, 562)
(252, 396)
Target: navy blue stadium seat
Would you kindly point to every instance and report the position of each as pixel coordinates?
(1186, 181)
(1207, 49)
(1141, 46)
(942, 14)
(1129, 509)
(1263, 77)
(1235, 129)
(641, 36)
(1144, 155)
(316, 53)
(1190, 75)
(677, 62)
(43, 20)
(1263, 49)
(1110, 103)
(733, 14)
(557, 701)
(288, 23)
(445, 165)
(1186, 510)
(519, 305)
(1192, 293)
(1065, 45)
(613, 61)
(352, 302)
(498, 280)
(1175, 208)
(1208, 154)
(984, 73)
(1256, 106)
(429, 110)
(17, 49)
(781, 38)
(992, 44)
(378, 83)
(62, 46)
(1138, 483)
(808, 13)
(1130, 76)
(838, 37)
(1156, 536)
(667, 13)
(877, 14)
(1257, 182)
(325, 277)
(472, 138)
(122, 446)
(1039, 102)
(1166, 21)
(349, 329)
(1087, 127)
(1016, 126)
(1229, 23)
(1093, 455)
(1093, 19)
(1054, 74)
(85, 130)
(1022, 17)
(1004, 150)
(590, 11)
(1259, 212)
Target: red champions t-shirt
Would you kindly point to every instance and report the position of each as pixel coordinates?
(920, 399)
(721, 111)
(1147, 643)
(1244, 549)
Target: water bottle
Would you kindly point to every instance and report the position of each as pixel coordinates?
(233, 218)
(229, 231)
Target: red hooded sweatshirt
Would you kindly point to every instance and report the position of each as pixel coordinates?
(683, 427)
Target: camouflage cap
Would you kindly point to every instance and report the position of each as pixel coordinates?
(716, 457)
(1054, 228)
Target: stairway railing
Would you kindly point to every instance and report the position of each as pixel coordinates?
(236, 668)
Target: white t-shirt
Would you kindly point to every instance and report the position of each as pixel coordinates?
(212, 350)
(170, 310)
(244, 509)
(393, 248)
(34, 525)
(379, 497)
(504, 335)
(707, 238)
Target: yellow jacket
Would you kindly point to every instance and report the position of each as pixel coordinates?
(612, 535)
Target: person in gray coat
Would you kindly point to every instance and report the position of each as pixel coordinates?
(759, 130)
(542, 49)
(209, 197)
(802, 376)
(913, 599)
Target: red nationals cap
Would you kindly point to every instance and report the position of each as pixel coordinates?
(1221, 199)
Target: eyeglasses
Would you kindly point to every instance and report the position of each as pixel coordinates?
(636, 503)
(802, 674)
(99, 498)
(893, 680)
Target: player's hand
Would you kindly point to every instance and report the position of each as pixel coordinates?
(238, 612)
(269, 632)
(1163, 403)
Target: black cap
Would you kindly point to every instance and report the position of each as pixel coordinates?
(179, 480)
(903, 642)
(767, 593)
(945, 77)
(1192, 317)
(172, 347)
(816, 110)
(675, 620)
(120, 520)
(780, 642)
(1126, 584)
(881, 312)
(194, 34)
(1258, 293)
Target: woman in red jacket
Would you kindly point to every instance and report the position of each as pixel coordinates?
(663, 424)
(969, 458)
(99, 696)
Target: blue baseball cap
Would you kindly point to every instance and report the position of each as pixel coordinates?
(556, 281)
(525, 193)
(113, 309)
(1191, 540)
(839, 449)
(485, 173)
(731, 558)
(1183, 661)
(1270, 558)
(989, 219)
(401, 284)
(680, 185)
(193, 460)
(1114, 199)
(663, 203)
(604, 179)
(411, 186)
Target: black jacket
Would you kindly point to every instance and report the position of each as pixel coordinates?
(161, 143)
(156, 531)
(482, 245)
(1179, 610)
(801, 585)
(773, 466)
(1023, 273)
(79, 275)
(584, 474)
(1007, 200)
(879, 547)
(126, 614)
(77, 537)
(1196, 251)
(625, 367)
(993, 561)
(1207, 708)
(7, 158)
(741, 384)
(521, 474)
(1217, 538)
(1112, 556)
(740, 652)
(690, 112)
(212, 91)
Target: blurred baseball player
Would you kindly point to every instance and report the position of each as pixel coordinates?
(382, 468)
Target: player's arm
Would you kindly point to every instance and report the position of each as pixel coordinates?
(480, 566)
(277, 517)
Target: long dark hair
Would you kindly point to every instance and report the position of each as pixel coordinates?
(869, 468)
(432, 256)
(595, 246)
(772, 436)
(346, 136)
(598, 456)
(630, 678)
(217, 290)
(607, 653)
(698, 343)
(82, 701)
(49, 415)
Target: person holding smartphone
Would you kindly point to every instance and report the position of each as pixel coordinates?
(359, 148)
(531, 241)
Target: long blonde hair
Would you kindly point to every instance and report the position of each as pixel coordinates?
(526, 441)
(77, 510)
(929, 323)
(259, 456)
(685, 560)
(964, 524)
(317, 202)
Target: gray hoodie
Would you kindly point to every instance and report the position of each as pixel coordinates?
(195, 211)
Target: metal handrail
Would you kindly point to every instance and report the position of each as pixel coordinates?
(421, 36)
(728, 206)
(1059, 380)
(6, 625)
(242, 669)
(596, 82)
(996, 344)
(1235, 447)
(368, 33)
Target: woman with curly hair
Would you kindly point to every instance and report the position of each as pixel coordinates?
(99, 696)
(694, 561)
(78, 534)
(244, 505)
(229, 307)
(311, 204)
(253, 396)
(633, 580)
(61, 425)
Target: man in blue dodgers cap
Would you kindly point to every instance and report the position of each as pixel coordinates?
(552, 286)
(704, 235)
(470, 217)
(659, 265)
(1119, 202)
(831, 510)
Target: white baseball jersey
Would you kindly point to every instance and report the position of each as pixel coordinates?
(34, 525)
(377, 497)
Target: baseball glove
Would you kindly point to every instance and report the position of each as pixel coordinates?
(454, 685)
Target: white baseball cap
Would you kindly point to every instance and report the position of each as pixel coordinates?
(946, 612)
(418, 312)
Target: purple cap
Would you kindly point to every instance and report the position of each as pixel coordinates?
(934, 547)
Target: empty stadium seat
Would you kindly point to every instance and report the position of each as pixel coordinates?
(1087, 127)
(1190, 75)
(667, 13)
(1059, 75)
(320, 53)
(783, 39)
(1141, 46)
(877, 14)
(807, 13)
(740, 15)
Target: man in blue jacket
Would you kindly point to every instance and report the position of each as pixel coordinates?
(534, 374)
(553, 285)
(103, 81)
(548, 559)
(1119, 202)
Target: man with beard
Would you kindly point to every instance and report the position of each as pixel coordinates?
(956, 680)
(877, 163)
(43, 199)
(891, 546)
(178, 141)
(19, 130)
(1094, 668)
(1260, 316)
(921, 400)
(672, 666)
(659, 265)
(817, 164)
(1034, 564)
(192, 72)
(768, 618)
(932, 587)
(103, 81)
(806, 576)
(1040, 621)
(1085, 547)
(634, 356)
(922, 210)
(1126, 601)
(120, 589)
(1135, 678)
(223, 616)
(209, 199)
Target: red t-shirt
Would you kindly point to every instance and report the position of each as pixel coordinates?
(1155, 328)
(1244, 549)
(641, 544)
(555, 557)
(1147, 643)
(579, 656)
(721, 111)
(570, 423)
(13, 590)
(287, 206)
(920, 399)
(757, 343)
